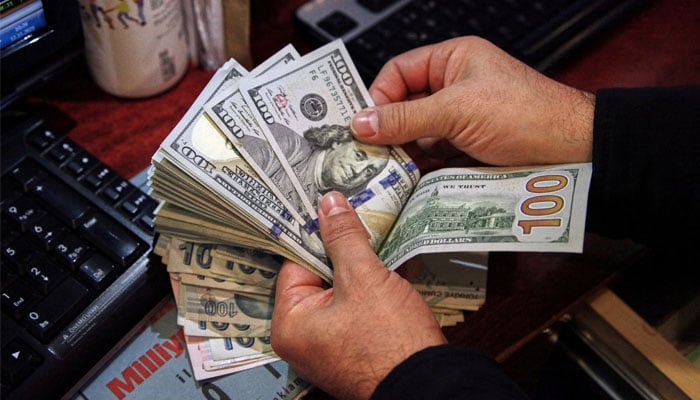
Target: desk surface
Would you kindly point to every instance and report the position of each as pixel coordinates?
(527, 292)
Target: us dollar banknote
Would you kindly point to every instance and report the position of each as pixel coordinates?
(200, 150)
(232, 115)
(304, 109)
(492, 209)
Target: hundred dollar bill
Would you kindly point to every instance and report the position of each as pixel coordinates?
(304, 109)
(492, 209)
(200, 150)
(232, 115)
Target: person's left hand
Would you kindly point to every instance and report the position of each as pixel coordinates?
(347, 338)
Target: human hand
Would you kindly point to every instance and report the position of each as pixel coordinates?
(347, 338)
(482, 101)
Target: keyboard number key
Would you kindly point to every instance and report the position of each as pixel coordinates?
(72, 250)
(17, 297)
(57, 309)
(47, 231)
(43, 273)
(24, 212)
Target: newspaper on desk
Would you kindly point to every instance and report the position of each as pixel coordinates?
(156, 365)
(240, 177)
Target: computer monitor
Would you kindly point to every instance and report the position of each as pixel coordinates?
(28, 60)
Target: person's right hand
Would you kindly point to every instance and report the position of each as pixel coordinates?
(481, 100)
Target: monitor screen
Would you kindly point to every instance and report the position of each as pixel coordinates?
(38, 39)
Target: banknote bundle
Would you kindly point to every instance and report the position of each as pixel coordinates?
(240, 177)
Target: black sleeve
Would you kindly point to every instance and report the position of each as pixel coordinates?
(448, 372)
(646, 166)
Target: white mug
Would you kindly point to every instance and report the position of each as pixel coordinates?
(135, 48)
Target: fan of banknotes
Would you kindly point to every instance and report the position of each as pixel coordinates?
(240, 176)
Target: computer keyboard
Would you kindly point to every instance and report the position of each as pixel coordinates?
(76, 271)
(542, 33)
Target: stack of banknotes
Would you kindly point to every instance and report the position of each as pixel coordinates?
(241, 175)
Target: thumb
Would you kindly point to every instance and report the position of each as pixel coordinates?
(404, 121)
(347, 243)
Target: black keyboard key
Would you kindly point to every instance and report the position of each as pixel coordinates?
(81, 164)
(98, 178)
(376, 6)
(19, 360)
(64, 150)
(17, 297)
(72, 250)
(113, 239)
(479, 21)
(98, 271)
(117, 190)
(18, 250)
(407, 16)
(10, 193)
(388, 30)
(65, 202)
(58, 308)
(26, 172)
(42, 138)
(42, 272)
(137, 203)
(130, 209)
(147, 221)
(337, 24)
(24, 212)
(47, 231)
(7, 274)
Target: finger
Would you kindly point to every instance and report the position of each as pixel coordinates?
(346, 240)
(294, 283)
(406, 121)
(415, 71)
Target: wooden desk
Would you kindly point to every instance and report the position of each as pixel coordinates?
(527, 292)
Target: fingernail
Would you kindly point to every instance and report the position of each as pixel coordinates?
(334, 203)
(365, 123)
